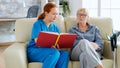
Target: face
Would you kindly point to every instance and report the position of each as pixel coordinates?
(52, 15)
(82, 16)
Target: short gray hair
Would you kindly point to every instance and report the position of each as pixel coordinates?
(83, 9)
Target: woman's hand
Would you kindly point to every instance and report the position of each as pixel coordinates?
(35, 40)
(95, 46)
(56, 47)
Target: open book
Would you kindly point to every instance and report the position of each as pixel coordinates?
(49, 39)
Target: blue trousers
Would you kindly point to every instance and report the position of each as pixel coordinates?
(50, 57)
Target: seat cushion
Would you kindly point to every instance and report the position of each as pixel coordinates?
(39, 65)
(106, 63)
(35, 65)
(73, 64)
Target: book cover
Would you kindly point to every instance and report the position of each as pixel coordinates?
(49, 39)
(66, 40)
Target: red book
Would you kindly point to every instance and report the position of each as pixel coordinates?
(49, 39)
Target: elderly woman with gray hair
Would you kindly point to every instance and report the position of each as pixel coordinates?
(88, 44)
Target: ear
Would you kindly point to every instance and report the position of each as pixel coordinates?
(46, 13)
(88, 18)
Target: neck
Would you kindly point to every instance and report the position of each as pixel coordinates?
(47, 22)
(82, 24)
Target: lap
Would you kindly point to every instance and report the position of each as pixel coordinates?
(82, 46)
(39, 54)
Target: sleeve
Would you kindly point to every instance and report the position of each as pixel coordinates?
(98, 38)
(35, 30)
(71, 31)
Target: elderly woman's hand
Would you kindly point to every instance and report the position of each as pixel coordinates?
(95, 46)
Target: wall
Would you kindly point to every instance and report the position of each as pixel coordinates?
(74, 6)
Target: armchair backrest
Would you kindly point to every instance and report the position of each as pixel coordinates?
(104, 25)
(23, 28)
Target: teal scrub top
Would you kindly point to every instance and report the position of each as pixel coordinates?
(39, 26)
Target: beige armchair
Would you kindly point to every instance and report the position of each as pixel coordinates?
(15, 55)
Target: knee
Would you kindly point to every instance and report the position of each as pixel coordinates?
(64, 57)
(84, 43)
(55, 53)
(64, 54)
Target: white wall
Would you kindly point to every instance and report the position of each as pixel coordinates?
(74, 6)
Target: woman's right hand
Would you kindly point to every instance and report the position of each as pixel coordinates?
(35, 40)
(56, 47)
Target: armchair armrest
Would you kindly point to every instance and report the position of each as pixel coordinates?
(15, 56)
(118, 55)
(107, 48)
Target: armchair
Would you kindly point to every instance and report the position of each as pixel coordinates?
(15, 55)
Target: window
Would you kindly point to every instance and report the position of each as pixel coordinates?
(104, 8)
(92, 6)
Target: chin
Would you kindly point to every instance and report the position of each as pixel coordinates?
(51, 20)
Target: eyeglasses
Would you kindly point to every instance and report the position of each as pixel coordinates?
(81, 15)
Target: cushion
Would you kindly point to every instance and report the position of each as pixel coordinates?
(104, 25)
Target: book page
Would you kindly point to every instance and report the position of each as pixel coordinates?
(50, 32)
(64, 33)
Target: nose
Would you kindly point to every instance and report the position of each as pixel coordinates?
(55, 16)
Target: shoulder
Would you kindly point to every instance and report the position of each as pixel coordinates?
(73, 28)
(53, 24)
(93, 26)
(38, 22)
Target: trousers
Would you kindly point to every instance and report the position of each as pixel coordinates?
(50, 57)
(86, 54)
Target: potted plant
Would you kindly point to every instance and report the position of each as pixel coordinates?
(65, 7)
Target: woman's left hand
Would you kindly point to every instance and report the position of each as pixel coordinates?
(57, 46)
(95, 46)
